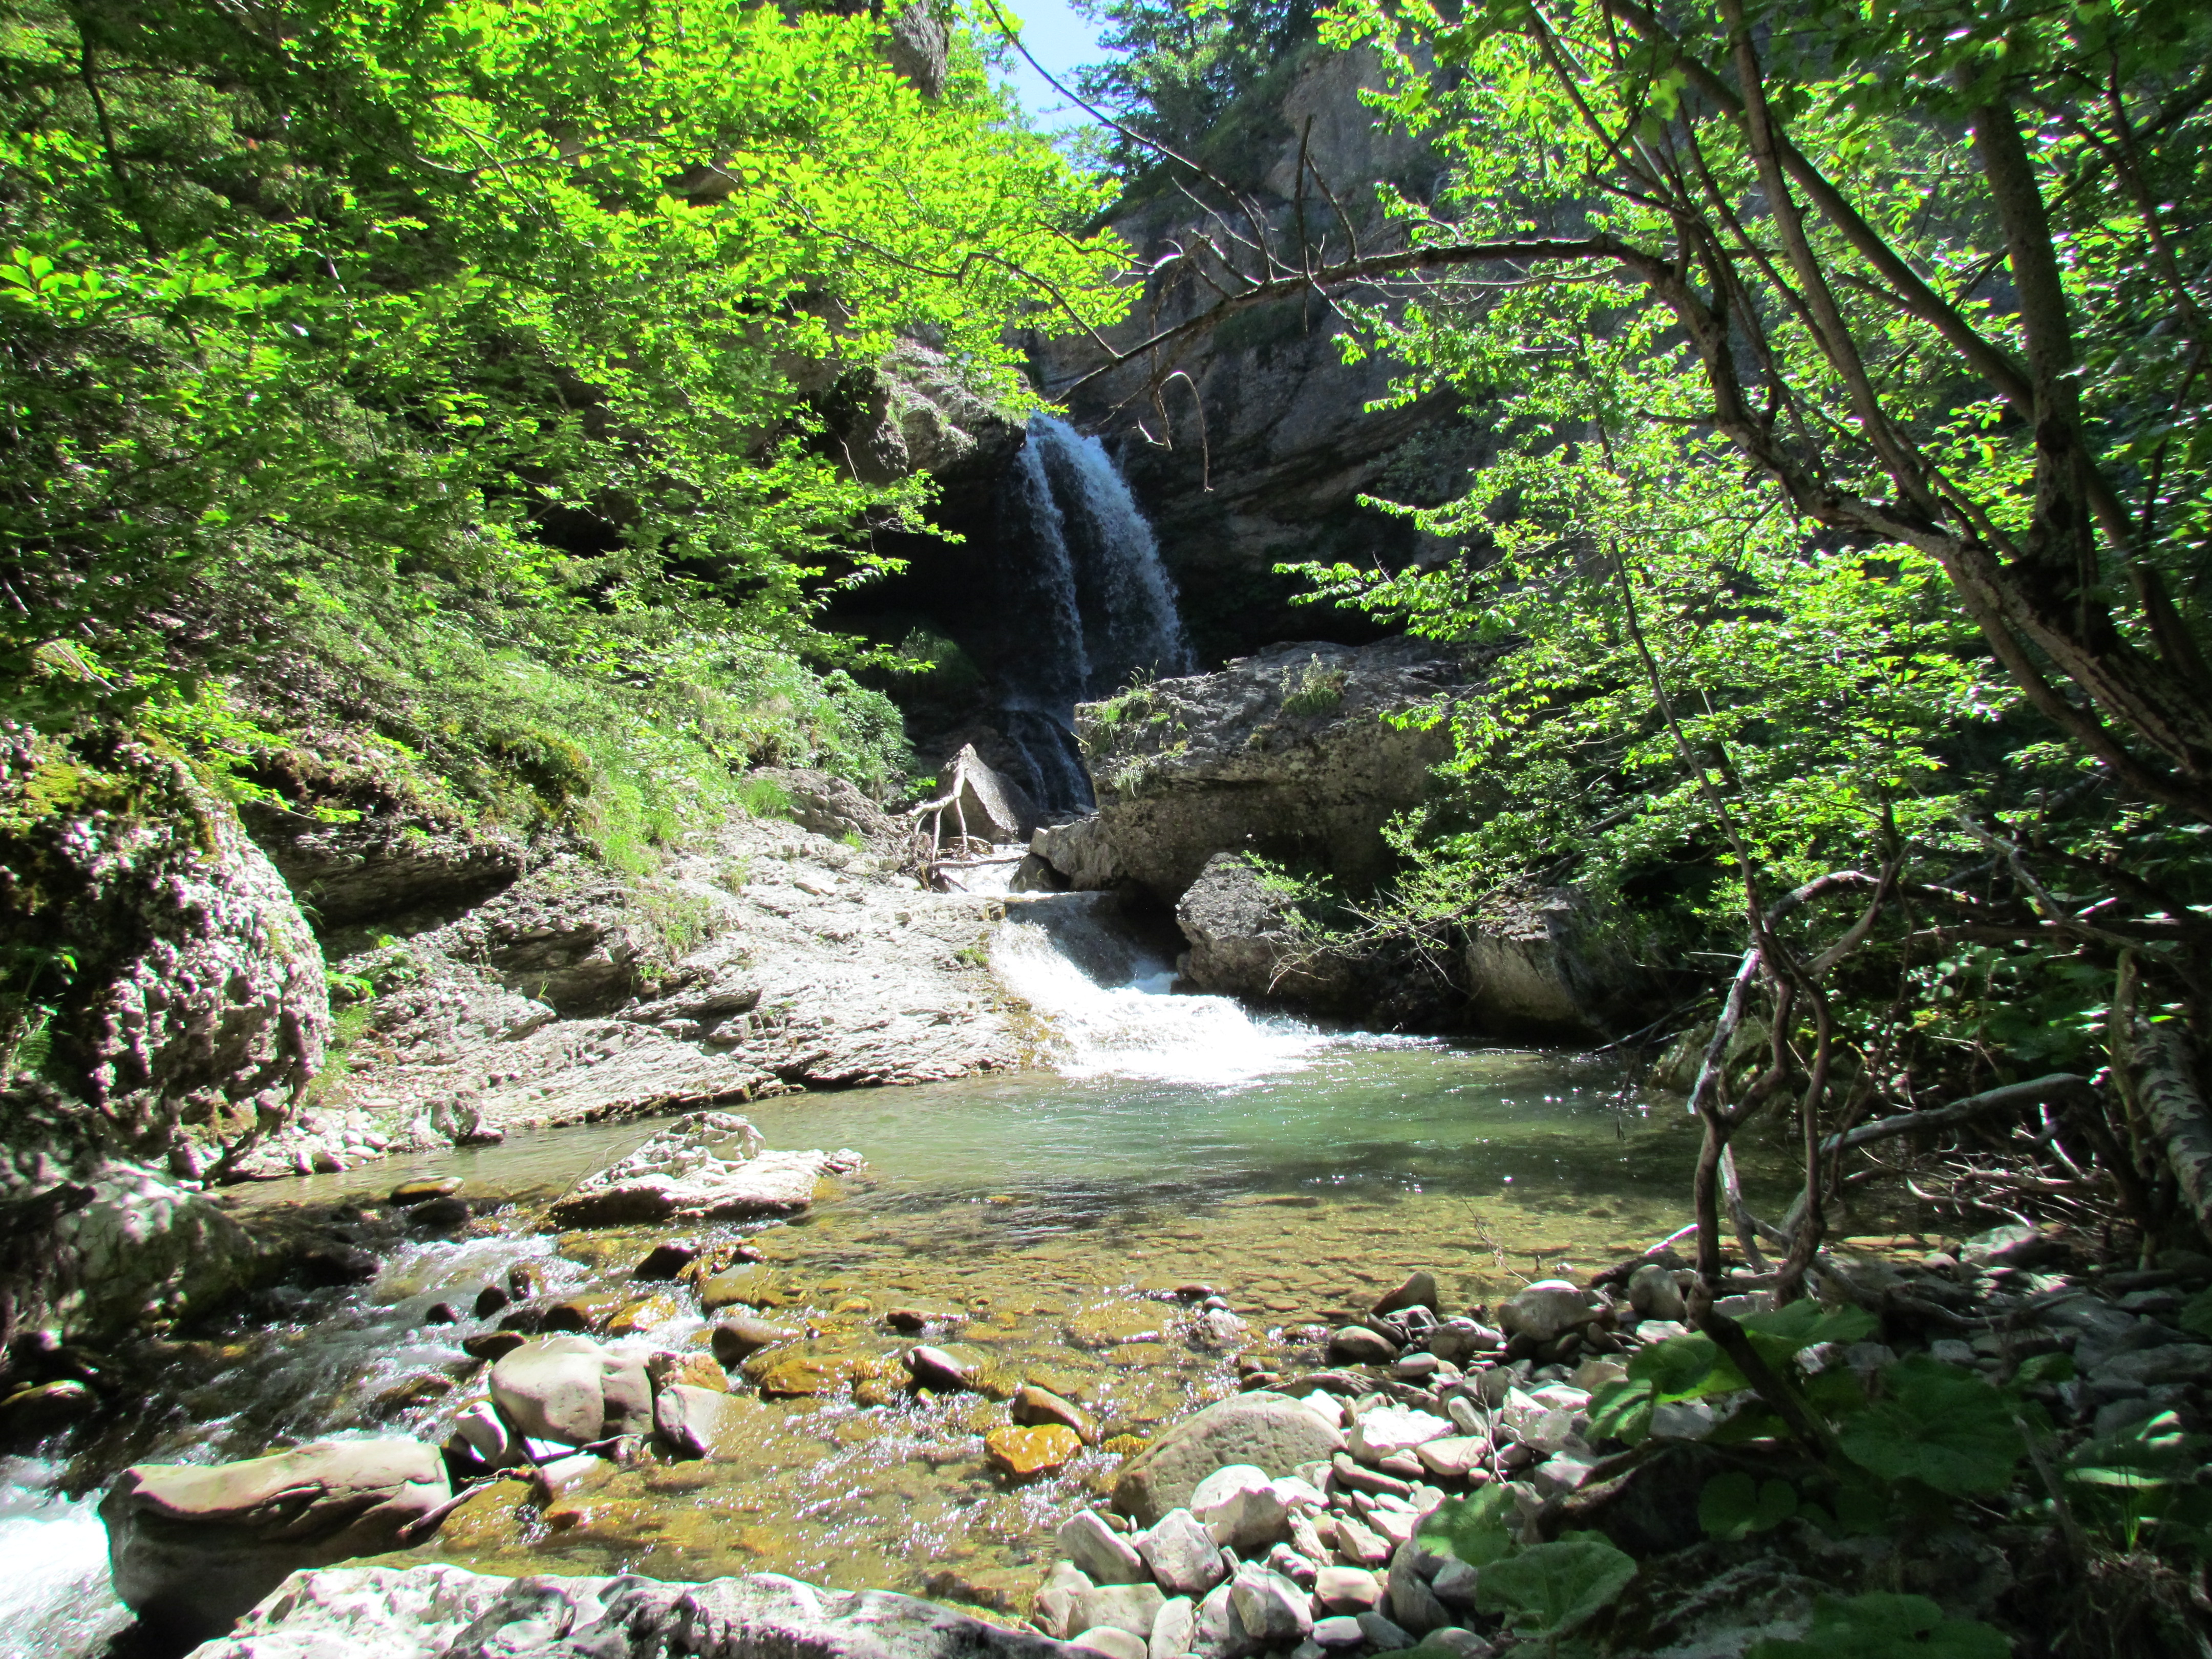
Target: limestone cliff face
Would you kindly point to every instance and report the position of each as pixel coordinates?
(1286, 447)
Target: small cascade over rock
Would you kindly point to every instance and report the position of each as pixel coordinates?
(1087, 603)
(1107, 1001)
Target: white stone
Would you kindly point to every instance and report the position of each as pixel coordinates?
(1055, 1602)
(1682, 1419)
(1530, 1421)
(1102, 1554)
(1173, 1627)
(1219, 1634)
(1347, 1590)
(1130, 1607)
(1389, 1429)
(1455, 1456)
(1114, 1643)
(1181, 1554)
(1326, 1406)
(484, 1431)
(1654, 1292)
(1342, 1631)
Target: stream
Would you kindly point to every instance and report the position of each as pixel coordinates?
(1044, 1218)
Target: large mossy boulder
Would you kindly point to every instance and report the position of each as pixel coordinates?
(162, 1006)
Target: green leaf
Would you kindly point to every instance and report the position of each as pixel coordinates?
(1884, 1626)
(1550, 1587)
(2043, 1368)
(1475, 1529)
(1938, 1425)
(1686, 1368)
(2197, 1313)
(1735, 1504)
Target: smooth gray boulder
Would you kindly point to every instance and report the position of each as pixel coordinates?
(191, 1546)
(1245, 941)
(1549, 962)
(571, 1389)
(1272, 1430)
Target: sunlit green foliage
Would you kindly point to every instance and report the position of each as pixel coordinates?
(499, 341)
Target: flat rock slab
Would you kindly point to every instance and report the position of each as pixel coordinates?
(439, 1612)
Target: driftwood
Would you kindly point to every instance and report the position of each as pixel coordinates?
(2164, 1073)
(2014, 1096)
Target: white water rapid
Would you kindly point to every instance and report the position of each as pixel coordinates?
(1088, 604)
(54, 1598)
(1111, 1013)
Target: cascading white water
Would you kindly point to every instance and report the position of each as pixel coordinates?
(54, 1595)
(1088, 602)
(1108, 1004)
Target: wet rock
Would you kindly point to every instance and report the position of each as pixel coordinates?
(685, 1416)
(749, 1285)
(190, 1548)
(1271, 1430)
(1111, 1641)
(736, 1340)
(1419, 1290)
(705, 1166)
(1036, 1407)
(665, 1262)
(699, 1371)
(934, 1368)
(912, 1321)
(1098, 1551)
(440, 1313)
(1347, 1590)
(1274, 1610)
(33, 1414)
(1182, 1555)
(796, 1373)
(491, 1344)
(1547, 1311)
(1355, 1345)
(570, 1389)
(646, 1313)
(422, 1191)
(440, 1215)
(1023, 1452)
(1130, 1607)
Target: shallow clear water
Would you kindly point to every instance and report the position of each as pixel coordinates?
(1043, 1219)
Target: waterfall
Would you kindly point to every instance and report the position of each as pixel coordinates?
(1085, 602)
(1107, 1001)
